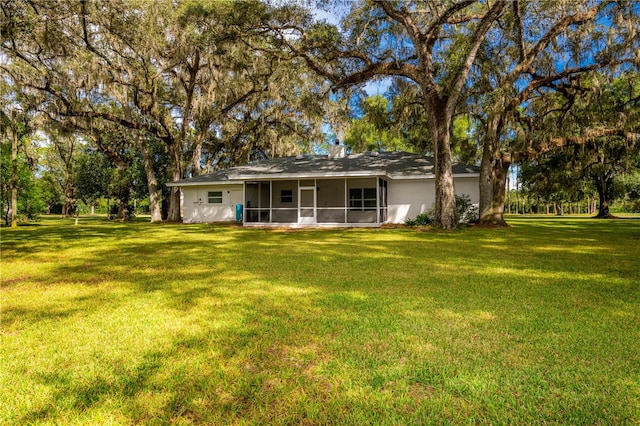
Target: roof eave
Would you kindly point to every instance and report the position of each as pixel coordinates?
(283, 176)
(280, 176)
(201, 183)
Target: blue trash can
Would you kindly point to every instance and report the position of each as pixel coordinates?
(238, 212)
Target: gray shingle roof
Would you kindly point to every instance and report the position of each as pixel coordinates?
(395, 165)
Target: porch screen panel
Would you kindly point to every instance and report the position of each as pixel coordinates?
(284, 201)
(330, 198)
(362, 197)
(265, 192)
(257, 201)
(284, 215)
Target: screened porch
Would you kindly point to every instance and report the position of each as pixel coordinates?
(340, 201)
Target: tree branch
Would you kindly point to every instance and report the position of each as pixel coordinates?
(431, 34)
(397, 68)
(589, 136)
(516, 14)
(476, 40)
(559, 27)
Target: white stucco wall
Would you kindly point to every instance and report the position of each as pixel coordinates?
(196, 209)
(468, 186)
(408, 198)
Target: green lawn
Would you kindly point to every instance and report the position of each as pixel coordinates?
(112, 323)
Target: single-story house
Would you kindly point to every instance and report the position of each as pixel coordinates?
(332, 190)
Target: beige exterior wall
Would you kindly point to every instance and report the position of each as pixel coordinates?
(196, 209)
(408, 198)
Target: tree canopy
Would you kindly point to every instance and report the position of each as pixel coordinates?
(172, 89)
(199, 77)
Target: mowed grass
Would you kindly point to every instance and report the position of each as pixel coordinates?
(112, 323)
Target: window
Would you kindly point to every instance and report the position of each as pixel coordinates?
(361, 199)
(214, 197)
(286, 196)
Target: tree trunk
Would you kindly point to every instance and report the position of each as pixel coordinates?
(196, 159)
(499, 184)
(445, 206)
(68, 208)
(485, 212)
(490, 156)
(602, 185)
(166, 200)
(124, 194)
(14, 180)
(173, 214)
(152, 182)
(508, 189)
(494, 215)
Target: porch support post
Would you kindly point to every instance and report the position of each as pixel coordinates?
(298, 198)
(346, 201)
(377, 200)
(270, 201)
(244, 202)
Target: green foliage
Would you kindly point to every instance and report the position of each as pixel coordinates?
(465, 141)
(629, 190)
(93, 174)
(587, 164)
(30, 200)
(375, 130)
(52, 195)
(214, 82)
(409, 116)
(423, 219)
(130, 323)
(466, 212)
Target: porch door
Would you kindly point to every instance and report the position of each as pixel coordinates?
(307, 205)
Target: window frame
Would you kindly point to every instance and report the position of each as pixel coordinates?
(362, 200)
(213, 199)
(286, 198)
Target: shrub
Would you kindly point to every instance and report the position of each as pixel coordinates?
(423, 219)
(466, 212)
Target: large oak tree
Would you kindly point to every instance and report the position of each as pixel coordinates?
(200, 77)
(495, 54)
(541, 48)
